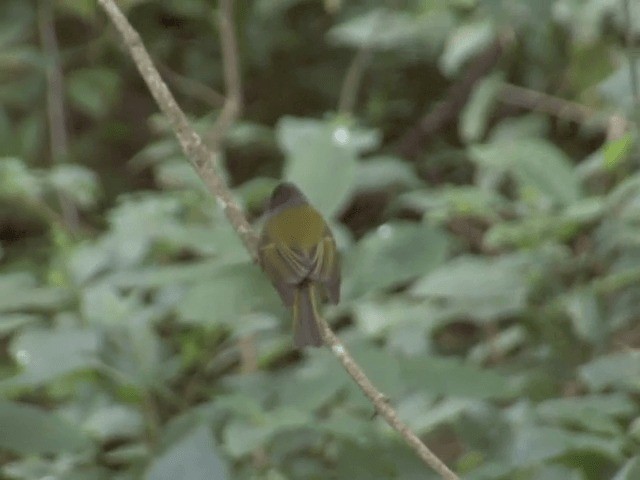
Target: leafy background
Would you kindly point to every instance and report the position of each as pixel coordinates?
(490, 273)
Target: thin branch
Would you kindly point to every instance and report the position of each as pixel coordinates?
(558, 107)
(632, 58)
(204, 161)
(192, 87)
(249, 365)
(353, 80)
(232, 80)
(58, 139)
(382, 405)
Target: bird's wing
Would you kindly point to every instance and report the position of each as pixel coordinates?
(318, 264)
(279, 272)
(300, 263)
(326, 268)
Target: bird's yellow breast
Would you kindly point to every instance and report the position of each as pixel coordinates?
(299, 227)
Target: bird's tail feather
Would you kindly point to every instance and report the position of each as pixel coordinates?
(306, 330)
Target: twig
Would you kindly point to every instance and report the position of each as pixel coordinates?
(352, 80)
(44, 211)
(382, 405)
(249, 365)
(558, 107)
(58, 139)
(632, 58)
(232, 81)
(192, 87)
(204, 162)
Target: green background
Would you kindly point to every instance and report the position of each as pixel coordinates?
(490, 267)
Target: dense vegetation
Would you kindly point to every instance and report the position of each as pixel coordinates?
(479, 162)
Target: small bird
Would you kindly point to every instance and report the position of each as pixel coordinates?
(298, 253)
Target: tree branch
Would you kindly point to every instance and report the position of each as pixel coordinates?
(558, 107)
(231, 68)
(204, 161)
(632, 58)
(191, 87)
(58, 138)
(352, 80)
(381, 404)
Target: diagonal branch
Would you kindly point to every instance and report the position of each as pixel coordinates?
(381, 404)
(58, 138)
(204, 161)
(522, 97)
(191, 87)
(352, 80)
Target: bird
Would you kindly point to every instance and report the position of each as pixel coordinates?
(298, 253)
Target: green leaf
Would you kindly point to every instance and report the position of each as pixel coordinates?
(103, 305)
(27, 430)
(18, 291)
(617, 370)
(344, 424)
(543, 172)
(452, 201)
(630, 470)
(321, 160)
(482, 288)
(556, 472)
(85, 9)
(163, 275)
(194, 457)
(541, 228)
(584, 312)
(76, 182)
(466, 42)
(10, 322)
(311, 385)
(93, 90)
(617, 151)
(378, 315)
(595, 413)
(242, 437)
(46, 354)
(30, 134)
(477, 112)
(249, 134)
(228, 294)
(534, 445)
(486, 429)
(501, 344)
(453, 378)
(510, 129)
(634, 430)
(424, 416)
(176, 174)
(385, 29)
(618, 89)
(18, 181)
(114, 422)
(383, 368)
(394, 253)
(381, 172)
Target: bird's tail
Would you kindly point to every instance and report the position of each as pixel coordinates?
(306, 330)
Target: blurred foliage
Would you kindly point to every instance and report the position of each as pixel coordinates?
(490, 282)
